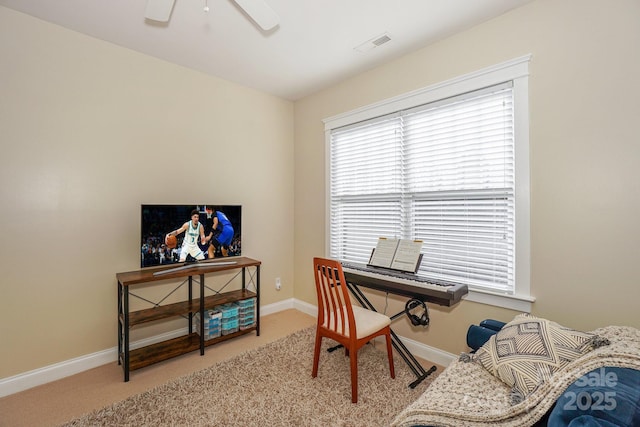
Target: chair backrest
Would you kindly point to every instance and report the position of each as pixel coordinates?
(334, 304)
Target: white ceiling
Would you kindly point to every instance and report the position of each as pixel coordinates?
(312, 48)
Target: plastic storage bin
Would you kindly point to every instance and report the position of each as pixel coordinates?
(247, 313)
(212, 324)
(229, 321)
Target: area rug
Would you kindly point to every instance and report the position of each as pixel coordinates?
(272, 386)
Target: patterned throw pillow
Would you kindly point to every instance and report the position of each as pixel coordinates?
(526, 352)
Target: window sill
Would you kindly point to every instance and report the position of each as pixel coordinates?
(520, 303)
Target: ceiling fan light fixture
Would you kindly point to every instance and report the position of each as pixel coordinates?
(260, 12)
(159, 10)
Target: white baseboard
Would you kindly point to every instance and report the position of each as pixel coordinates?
(36, 377)
(427, 352)
(74, 366)
(276, 307)
(55, 372)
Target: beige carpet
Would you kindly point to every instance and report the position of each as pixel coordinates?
(272, 385)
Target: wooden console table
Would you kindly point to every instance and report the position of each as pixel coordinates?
(141, 357)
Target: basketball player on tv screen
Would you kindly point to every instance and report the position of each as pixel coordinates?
(221, 233)
(193, 229)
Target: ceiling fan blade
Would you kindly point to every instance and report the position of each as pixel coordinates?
(260, 12)
(159, 10)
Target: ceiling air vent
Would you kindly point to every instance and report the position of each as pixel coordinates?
(373, 43)
(381, 40)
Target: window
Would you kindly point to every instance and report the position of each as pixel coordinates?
(447, 165)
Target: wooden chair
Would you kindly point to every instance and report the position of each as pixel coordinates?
(350, 325)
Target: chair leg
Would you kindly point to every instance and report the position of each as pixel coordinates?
(390, 354)
(316, 354)
(353, 361)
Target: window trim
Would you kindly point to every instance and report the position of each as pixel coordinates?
(515, 70)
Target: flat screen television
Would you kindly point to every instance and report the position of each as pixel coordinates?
(225, 240)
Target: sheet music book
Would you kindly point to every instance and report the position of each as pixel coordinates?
(397, 254)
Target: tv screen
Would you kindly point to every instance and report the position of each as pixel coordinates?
(218, 225)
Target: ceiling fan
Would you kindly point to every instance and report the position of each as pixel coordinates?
(258, 10)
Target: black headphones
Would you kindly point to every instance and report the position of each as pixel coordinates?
(423, 319)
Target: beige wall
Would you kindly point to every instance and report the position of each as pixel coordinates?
(89, 131)
(86, 129)
(584, 147)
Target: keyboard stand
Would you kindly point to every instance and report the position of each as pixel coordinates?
(402, 350)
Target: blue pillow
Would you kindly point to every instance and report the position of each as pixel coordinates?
(478, 335)
(604, 397)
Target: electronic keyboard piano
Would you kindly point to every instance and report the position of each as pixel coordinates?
(405, 284)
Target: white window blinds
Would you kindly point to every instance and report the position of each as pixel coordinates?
(442, 173)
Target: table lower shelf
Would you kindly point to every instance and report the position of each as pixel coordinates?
(154, 353)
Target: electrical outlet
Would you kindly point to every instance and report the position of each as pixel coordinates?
(278, 284)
